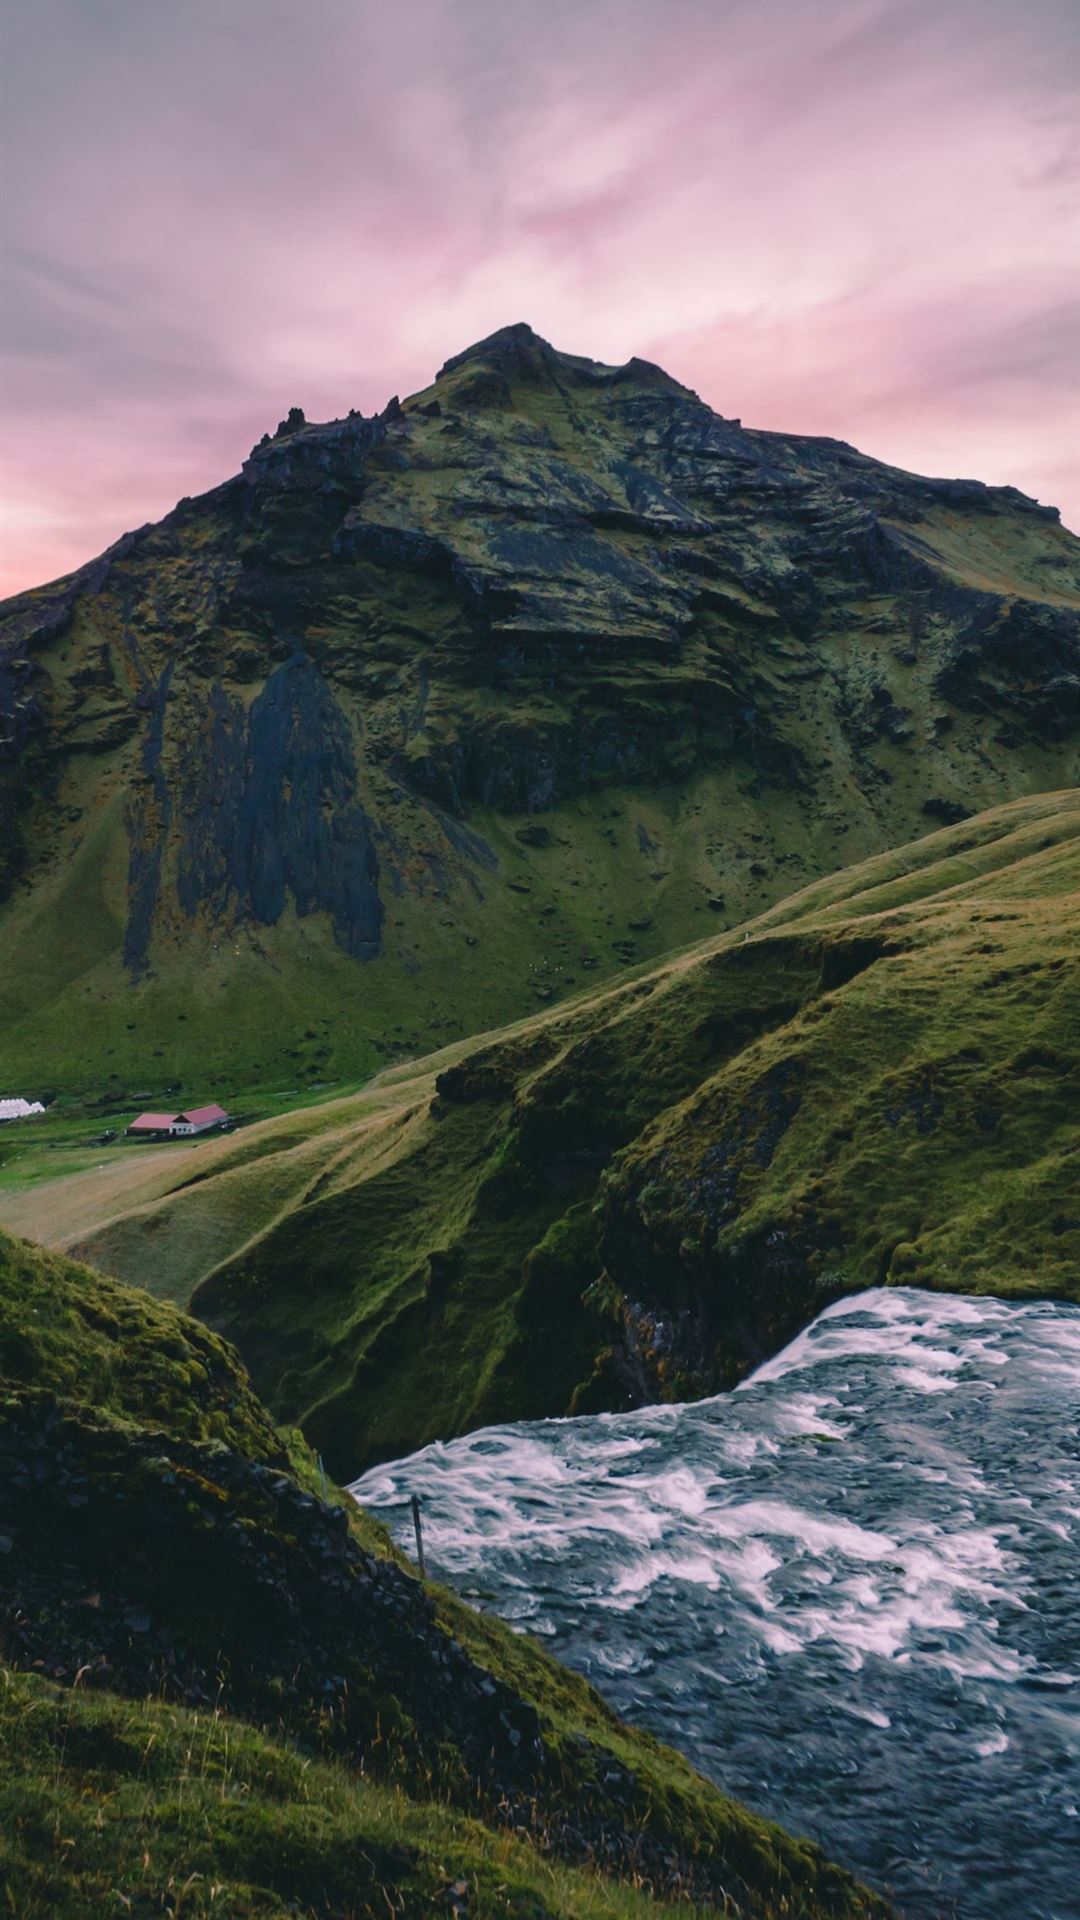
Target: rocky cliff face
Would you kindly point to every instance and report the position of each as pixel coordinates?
(550, 629)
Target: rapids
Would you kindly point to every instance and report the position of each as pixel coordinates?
(849, 1591)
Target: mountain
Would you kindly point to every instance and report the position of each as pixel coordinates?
(424, 717)
(222, 1693)
(640, 1195)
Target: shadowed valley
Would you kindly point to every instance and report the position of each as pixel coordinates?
(641, 1195)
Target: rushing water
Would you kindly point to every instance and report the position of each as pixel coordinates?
(850, 1591)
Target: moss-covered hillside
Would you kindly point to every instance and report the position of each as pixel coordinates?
(420, 718)
(222, 1693)
(642, 1194)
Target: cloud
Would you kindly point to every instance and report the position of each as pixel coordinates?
(857, 218)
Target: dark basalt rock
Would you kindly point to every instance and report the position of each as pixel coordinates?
(148, 826)
(689, 1324)
(477, 1078)
(292, 423)
(269, 812)
(949, 812)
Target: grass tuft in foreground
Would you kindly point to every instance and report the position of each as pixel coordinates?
(112, 1806)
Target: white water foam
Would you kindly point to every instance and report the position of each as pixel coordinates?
(861, 1566)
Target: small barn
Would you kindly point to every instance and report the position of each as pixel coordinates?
(199, 1120)
(153, 1126)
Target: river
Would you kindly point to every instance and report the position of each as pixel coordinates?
(849, 1591)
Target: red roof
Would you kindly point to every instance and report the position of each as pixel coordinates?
(152, 1123)
(199, 1116)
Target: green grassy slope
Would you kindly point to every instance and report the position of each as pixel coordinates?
(119, 1806)
(642, 1193)
(223, 1693)
(424, 718)
(79, 1337)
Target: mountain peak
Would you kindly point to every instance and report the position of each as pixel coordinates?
(518, 353)
(515, 343)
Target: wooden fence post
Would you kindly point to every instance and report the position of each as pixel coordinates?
(415, 1504)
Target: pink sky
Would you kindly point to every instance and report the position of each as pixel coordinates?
(853, 217)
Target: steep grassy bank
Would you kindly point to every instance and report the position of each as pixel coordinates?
(641, 1194)
(112, 1805)
(222, 1692)
(421, 718)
